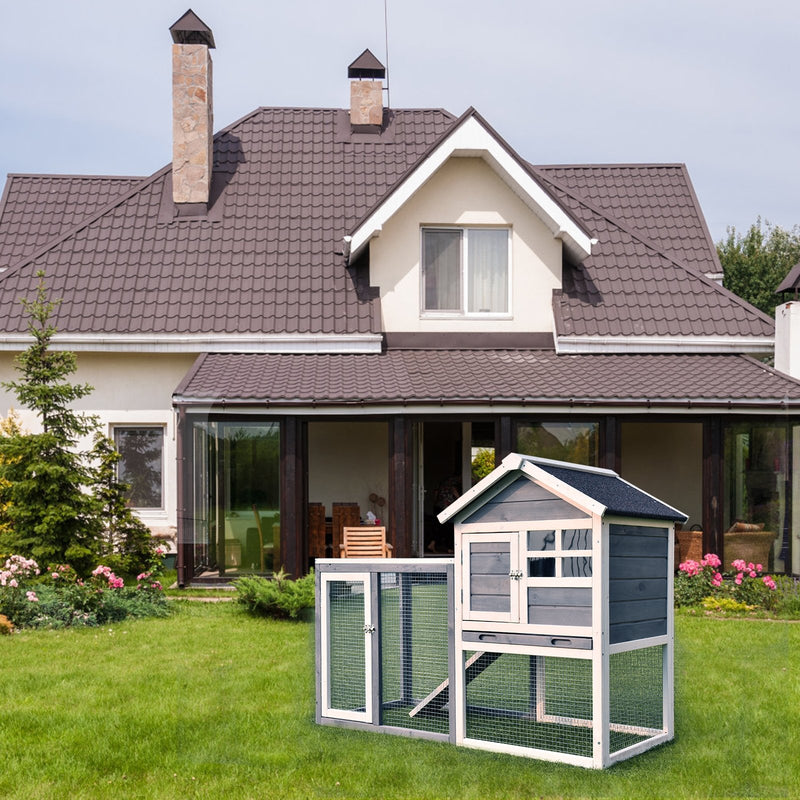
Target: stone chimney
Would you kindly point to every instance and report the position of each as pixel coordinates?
(366, 75)
(192, 116)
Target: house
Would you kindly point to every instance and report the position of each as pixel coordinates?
(344, 305)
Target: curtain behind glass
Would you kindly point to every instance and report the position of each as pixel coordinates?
(441, 254)
(488, 270)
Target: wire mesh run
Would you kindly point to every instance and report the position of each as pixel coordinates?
(414, 651)
(347, 650)
(538, 702)
(636, 700)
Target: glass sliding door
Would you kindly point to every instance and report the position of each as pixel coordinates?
(236, 485)
(759, 486)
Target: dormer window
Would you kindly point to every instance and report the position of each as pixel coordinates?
(465, 271)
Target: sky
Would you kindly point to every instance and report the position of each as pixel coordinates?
(85, 86)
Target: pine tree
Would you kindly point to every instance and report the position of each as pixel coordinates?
(51, 517)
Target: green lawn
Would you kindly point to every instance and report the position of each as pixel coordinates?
(214, 703)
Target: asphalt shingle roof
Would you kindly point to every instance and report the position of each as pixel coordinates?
(495, 377)
(617, 495)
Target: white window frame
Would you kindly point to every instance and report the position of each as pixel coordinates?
(118, 426)
(464, 255)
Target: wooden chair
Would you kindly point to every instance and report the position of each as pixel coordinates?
(344, 515)
(316, 530)
(368, 541)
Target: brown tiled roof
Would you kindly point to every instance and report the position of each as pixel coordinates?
(631, 287)
(269, 261)
(38, 208)
(493, 377)
(656, 200)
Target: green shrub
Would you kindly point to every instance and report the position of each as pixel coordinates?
(787, 596)
(60, 599)
(278, 596)
(726, 605)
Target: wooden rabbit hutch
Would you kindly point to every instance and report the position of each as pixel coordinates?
(549, 634)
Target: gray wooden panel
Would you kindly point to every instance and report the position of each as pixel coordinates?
(629, 631)
(531, 639)
(637, 589)
(490, 563)
(648, 546)
(490, 602)
(489, 547)
(559, 596)
(637, 530)
(490, 584)
(621, 568)
(552, 509)
(638, 610)
(560, 615)
(524, 500)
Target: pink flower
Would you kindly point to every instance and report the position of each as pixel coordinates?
(32, 598)
(711, 560)
(739, 565)
(759, 567)
(752, 573)
(54, 575)
(769, 582)
(13, 583)
(738, 579)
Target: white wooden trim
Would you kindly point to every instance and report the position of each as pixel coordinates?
(512, 538)
(600, 637)
(529, 752)
(337, 713)
(638, 644)
(639, 747)
(472, 139)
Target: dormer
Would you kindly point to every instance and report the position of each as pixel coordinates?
(468, 241)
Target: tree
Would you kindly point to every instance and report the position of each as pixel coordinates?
(754, 264)
(50, 516)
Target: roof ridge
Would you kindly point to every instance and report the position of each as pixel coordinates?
(612, 164)
(75, 176)
(652, 246)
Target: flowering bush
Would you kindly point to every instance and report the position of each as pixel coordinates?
(59, 598)
(745, 584)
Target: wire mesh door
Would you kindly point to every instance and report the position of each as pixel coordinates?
(346, 653)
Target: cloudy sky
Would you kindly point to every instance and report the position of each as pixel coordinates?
(85, 85)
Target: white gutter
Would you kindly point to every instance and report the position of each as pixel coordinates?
(203, 343)
(665, 344)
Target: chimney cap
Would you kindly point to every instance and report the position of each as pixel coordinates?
(366, 66)
(190, 29)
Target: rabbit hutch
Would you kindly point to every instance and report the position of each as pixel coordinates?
(549, 634)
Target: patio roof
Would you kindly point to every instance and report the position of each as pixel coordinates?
(489, 378)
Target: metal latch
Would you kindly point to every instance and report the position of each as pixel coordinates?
(515, 574)
(369, 628)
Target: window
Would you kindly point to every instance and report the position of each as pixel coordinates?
(142, 464)
(465, 270)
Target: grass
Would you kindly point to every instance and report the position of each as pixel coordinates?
(213, 702)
